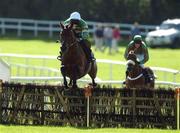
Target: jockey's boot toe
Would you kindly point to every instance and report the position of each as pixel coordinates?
(93, 59)
(59, 58)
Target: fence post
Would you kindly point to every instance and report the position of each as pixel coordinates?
(178, 102)
(42, 106)
(3, 31)
(88, 94)
(0, 101)
(35, 28)
(50, 30)
(19, 29)
(134, 106)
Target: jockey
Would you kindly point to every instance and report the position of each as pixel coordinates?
(140, 49)
(80, 29)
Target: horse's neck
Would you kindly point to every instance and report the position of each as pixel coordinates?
(75, 49)
(136, 72)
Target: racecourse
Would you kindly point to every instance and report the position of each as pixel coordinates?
(46, 129)
(160, 57)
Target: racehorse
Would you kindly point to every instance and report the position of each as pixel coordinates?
(74, 63)
(135, 73)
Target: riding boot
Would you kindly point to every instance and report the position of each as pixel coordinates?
(88, 52)
(147, 76)
(124, 82)
(62, 49)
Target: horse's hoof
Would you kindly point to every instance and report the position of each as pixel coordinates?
(94, 85)
(74, 87)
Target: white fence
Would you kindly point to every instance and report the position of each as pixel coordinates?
(4, 71)
(51, 27)
(24, 68)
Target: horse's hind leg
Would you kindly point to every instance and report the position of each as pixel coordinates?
(70, 82)
(63, 72)
(93, 72)
(75, 70)
(74, 84)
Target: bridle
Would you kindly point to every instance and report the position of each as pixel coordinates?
(74, 42)
(137, 77)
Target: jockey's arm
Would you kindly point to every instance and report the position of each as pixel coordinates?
(128, 48)
(125, 54)
(85, 32)
(146, 53)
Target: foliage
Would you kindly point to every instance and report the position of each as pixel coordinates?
(123, 11)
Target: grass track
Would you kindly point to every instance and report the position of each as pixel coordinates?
(168, 58)
(43, 129)
(158, 57)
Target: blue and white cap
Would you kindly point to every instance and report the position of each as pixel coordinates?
(75, 16)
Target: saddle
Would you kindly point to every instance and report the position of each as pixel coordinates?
(85, 45)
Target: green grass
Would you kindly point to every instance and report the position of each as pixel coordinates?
(164, 57)
(43, 129)
(158, 57)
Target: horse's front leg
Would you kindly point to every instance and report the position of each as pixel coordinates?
(94, 83)
(63, 72)
(75, 72)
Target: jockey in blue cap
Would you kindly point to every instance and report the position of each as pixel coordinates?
(80, 29)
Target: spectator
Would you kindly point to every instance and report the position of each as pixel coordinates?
(116, 38)
(108, 38)
(98, 37)
(135, 30)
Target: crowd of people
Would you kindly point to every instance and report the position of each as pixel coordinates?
(109, 37)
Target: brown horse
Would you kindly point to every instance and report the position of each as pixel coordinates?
(74, 62)
(135, 73)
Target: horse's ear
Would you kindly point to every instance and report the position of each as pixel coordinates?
(61, 25)
(70, 26)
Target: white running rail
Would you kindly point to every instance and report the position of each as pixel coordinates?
(44, 73)
(51, 27)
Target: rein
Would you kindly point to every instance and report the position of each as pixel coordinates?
(71, 44)
(140, 75)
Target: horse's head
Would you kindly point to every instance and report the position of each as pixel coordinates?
(67, 36)
(131, 61)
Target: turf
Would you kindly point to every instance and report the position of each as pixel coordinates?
(45, 129)
(168, 58)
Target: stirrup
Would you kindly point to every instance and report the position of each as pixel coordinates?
(93, 59)
(59, 58)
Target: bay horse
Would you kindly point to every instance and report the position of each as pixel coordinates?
(74, 63)
(135, 77)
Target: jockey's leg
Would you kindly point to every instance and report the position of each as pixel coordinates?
(85, 44)
(147, 75)
(124, 82)
(63, 72)
(62, 49)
